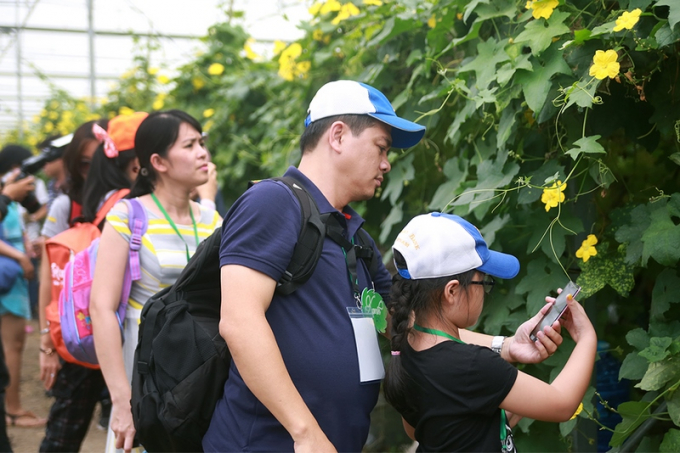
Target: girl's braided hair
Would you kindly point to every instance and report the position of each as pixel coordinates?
(410, 301)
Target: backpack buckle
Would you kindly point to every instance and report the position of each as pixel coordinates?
(135, 242)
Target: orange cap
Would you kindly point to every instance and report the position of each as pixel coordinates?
(122, 130)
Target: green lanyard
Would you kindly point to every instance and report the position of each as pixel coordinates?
(439, 333)
(174, 227)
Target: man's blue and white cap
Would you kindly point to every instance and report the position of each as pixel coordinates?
(441, 245)
(346, 97)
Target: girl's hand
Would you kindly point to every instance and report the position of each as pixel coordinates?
(576, 321)
(521, 348)
(27, 267)
(49, 365)
(122, 425)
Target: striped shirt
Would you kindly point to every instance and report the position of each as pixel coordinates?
(163, 254)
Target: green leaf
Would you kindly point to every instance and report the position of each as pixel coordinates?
(657, 349)
(401, 173)
(489, 54)
(675, 157)
(497, 8)
(662, 239)
(539, 34)
(674, 407)
(396, 215)
(491, 175)
(491, 228)
(666, 291)
(581, 93)
(665, 35)
(658, 374)
(631, 233)
(638, 338)
(602, 29)
(633, 367)
(673, 11)
(542, 279)
(606, 269)
(634, 413)
(505, 127)
(456, 171)
(536, 84)
(471, 7)
(671, 442)
(581, 36)
(394, 26)
(586, 145)
(547, 169)
(567, 427)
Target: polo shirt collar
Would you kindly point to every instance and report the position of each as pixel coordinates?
(353, 219)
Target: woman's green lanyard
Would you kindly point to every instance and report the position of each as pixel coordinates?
(439, 333)
(174, 227)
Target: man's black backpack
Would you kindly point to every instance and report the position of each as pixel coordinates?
(181, 361)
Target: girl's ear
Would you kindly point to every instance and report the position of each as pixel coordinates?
(451, 292)
(158, 163)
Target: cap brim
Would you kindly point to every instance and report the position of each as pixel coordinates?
(405, 133)
(500, 265)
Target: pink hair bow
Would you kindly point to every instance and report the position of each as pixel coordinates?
(103, 137)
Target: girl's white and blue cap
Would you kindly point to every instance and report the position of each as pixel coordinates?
(346, 97)
(441, 245)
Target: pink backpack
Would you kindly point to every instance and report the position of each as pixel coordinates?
(74, 299)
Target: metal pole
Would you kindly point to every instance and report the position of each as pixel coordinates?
(20, 107)
(90, 36)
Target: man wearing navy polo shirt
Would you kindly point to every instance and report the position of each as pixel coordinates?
(296, 381)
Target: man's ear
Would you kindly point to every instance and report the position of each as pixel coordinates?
(336, 135)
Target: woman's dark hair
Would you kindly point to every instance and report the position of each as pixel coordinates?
(156, 135)
(106, 174)
(422, 298)
(72, 158)
(312, 133)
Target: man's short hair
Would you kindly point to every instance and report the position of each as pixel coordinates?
(356, 123)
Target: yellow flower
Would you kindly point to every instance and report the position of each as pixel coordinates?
(314, 9)
(432, 21)
(348, 10)
(585, 252)
(279, 46)
(372, 2)
(125, 111)
(207, 113)
(36, 119)
(152, 71)
(542, 8)
(198, 83)
(579, 409)
(54, 105)
(48, 127)
(317, 35)
(53, 115)
(208, 125)
(605, 64)
(158, 103)
(553, 195)
(289, 69)
(163, 79)
(628, 20)
(250, 54)
(459, 16)
(329, 6)
(215, 69)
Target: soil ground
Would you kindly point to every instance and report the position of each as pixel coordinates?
(33, 398)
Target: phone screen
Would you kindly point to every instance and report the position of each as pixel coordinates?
(557, 309)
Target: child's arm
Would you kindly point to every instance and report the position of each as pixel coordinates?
(557, 402)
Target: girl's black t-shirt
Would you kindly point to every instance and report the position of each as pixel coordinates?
(456, 390)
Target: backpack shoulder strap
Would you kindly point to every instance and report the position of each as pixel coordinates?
(310, 240)
(75, 211)
(108, 204)
(367, 253)
(138, 223)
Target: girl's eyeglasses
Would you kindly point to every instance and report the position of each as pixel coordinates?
(488, 283)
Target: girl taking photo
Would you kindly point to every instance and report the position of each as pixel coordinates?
(455, 396)
(173, 162)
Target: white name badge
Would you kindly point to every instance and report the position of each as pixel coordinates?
(366, 339)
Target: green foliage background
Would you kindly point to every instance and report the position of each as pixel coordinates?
(510, 109)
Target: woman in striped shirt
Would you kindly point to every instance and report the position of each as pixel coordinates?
(173, 162)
